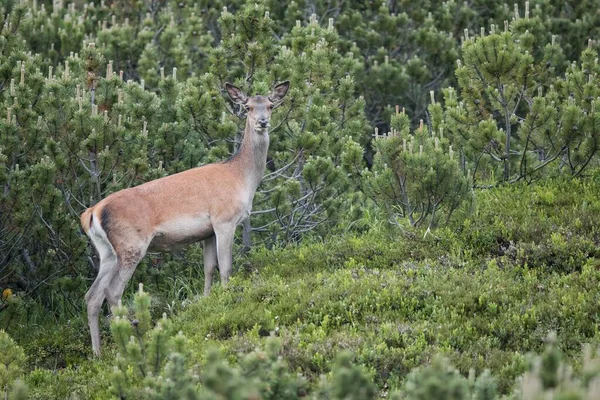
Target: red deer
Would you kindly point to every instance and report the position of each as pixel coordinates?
(205, 203)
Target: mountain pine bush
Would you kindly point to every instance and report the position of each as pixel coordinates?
(102, 96)
(12, 360)
(514, 115)
(97, 97)
(84, 128)
(416, 176)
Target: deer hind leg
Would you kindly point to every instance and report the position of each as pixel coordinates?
(224, 238)
(129, 258)
(94, 299)
(95, 295)
(210, 262)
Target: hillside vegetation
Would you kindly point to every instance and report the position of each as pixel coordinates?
(482, 294)
(426, 225)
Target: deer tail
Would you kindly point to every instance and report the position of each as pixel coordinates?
(86, 220)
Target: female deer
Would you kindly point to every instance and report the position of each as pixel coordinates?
(205, 203)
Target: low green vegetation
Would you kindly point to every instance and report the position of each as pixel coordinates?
(394, 308)
(100, 96)
(426, 227)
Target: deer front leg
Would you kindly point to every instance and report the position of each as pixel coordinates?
(210, 262)
(224, 239)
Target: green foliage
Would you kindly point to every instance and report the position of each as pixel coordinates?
(350, 382)
(20, 391)
(514, 115)
(415, 177)
(99, 97)
(440, 380)
(12, 358)
(548, 226)
(437, 381)
(106, 116)
(482, 293)
(88, 379)
(152, 363)
(149, 362)
(261, 374)
(550, 376)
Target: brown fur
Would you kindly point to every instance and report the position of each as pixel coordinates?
(139, 210)
(86, 220)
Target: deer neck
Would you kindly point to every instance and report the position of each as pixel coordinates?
(252, 156)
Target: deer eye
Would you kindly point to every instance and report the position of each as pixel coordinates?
(270, 106)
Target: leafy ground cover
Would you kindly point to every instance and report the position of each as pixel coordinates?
(482, 294)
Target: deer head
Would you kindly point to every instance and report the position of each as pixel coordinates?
(259, 108)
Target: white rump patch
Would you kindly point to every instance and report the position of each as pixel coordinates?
(108, 256)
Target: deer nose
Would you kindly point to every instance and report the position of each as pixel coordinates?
(263, 122)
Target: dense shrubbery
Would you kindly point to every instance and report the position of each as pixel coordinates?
(12, 358)
(99, 97)
(84, 120)
(84, 131)
(515, 112)
(416, 177)
(481, 294)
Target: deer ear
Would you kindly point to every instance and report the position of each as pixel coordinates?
(279, 92)
(235, 94)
